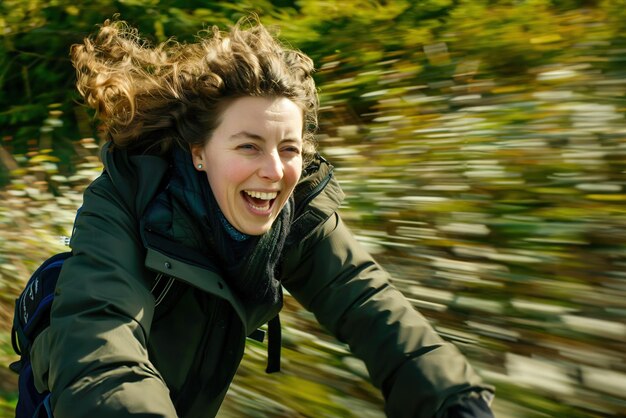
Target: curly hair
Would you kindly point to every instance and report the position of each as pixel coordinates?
(148, 98)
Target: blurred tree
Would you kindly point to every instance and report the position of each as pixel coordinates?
(365, 43)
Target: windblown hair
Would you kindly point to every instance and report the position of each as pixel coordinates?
(148, 98)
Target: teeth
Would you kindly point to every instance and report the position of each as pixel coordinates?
(260, 207)
(262, 195)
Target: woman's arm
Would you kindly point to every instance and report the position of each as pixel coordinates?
(332, 276)
(93, 357)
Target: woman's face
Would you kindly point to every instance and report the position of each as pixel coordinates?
(253, 160)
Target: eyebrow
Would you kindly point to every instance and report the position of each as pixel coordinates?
(246, 134)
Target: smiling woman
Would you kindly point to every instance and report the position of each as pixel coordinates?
(212, 199)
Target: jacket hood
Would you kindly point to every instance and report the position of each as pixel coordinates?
(137, 178)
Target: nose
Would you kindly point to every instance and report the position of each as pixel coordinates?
(271, 167)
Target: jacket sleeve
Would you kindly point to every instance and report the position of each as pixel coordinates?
(331, 275)
(93, 357)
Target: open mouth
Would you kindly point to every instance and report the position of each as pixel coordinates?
(260, 201)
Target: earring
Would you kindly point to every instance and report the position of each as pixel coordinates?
(200, 166)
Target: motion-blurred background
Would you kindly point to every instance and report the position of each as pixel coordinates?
(482, 148)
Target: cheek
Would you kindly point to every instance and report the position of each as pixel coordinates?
(293, 172)
(226, 176)
(217, 179)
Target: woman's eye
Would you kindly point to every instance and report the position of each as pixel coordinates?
(246, 147)
(292, 150)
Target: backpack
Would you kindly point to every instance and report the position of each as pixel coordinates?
(32, 315)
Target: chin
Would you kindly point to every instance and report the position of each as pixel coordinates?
(256, 230)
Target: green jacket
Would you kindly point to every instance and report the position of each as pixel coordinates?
(115, 347)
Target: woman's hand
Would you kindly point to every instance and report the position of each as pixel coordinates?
(469, 407)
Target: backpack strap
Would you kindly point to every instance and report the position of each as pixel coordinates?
(44, 410)
(274, 338)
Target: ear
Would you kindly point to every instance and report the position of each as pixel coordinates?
(197, 155)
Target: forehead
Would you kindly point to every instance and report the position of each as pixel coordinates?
(263, 117)
(273, 108)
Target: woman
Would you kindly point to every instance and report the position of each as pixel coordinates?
(212, 198)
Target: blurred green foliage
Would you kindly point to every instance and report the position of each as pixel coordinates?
(481, 145)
